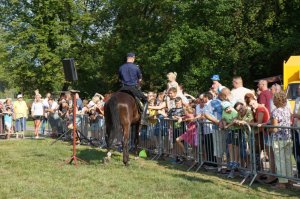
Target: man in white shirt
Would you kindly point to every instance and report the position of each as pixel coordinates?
(239, 91)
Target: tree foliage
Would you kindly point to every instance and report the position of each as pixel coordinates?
(194, 38)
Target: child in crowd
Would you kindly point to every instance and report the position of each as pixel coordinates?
(245, 116)
(8, 118)
(172, 81)
(228, 117)
(85, 108)
(190, 135)
(94, 122)
(152, 112)
(177, 112)
(100, 112)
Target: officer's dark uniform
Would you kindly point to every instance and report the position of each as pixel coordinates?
(129, 75)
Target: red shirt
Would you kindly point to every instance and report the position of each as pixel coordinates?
(264, 110)
(265, 98)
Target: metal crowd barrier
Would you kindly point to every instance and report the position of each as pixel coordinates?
(85, 128)
(277, 156)
(251, 151)
(149, 137)
(159, 138)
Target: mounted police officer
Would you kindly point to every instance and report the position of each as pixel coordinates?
(130, 76)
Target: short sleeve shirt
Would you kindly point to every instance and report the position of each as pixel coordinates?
(229, 117)
(282, 115)
(217, 110)
(264, 110)
(248, 117)
(176, 112)
(265, 98)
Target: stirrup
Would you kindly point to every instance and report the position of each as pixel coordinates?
(144, 122)
(143, 115)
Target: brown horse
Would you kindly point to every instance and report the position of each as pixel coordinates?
(121, 114)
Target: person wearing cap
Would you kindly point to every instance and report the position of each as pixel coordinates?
(130, 76)
(216, 86)
(229, 115)
(21, 113)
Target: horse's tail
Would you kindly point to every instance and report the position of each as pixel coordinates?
(112, 118)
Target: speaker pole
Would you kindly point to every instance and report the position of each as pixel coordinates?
(74, 158)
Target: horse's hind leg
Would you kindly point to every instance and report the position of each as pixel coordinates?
(136, 140)
(126, 129)
(108, 141)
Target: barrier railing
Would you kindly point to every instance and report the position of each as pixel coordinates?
(150, 137)
(244, 149)
(164, 137)
(275, 152)
(88, 131)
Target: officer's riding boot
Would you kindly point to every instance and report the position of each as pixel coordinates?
(144, 114)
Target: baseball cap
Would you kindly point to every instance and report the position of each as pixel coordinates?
(215, 78)
(130, 55)
(220, 89)
(19, 96)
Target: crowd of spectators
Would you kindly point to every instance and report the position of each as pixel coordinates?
(53, 113)
(228, 110)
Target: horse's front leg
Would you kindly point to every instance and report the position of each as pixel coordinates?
(125, 144)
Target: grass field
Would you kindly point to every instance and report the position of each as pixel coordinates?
(36, 169)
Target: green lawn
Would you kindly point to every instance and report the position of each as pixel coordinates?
(36, 169)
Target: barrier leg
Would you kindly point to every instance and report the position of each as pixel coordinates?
(253, 180)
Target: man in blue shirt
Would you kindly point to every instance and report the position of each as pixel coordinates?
(130, 76)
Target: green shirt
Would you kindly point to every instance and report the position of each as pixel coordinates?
(229, 117)
(248, 117)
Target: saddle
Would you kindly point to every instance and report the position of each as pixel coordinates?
(138, 102)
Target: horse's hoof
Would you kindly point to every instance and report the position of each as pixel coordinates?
(126, 164)
(136, 158)
(106, 160)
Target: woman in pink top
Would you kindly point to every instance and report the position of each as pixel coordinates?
(190, 135)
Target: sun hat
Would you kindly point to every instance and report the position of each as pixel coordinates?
(215, 78)
(220, 88)
(226, 104)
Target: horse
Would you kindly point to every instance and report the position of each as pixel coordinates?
(121, 114)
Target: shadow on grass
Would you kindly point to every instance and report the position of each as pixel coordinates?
(192, 178)
(92, 156)
(256, 186)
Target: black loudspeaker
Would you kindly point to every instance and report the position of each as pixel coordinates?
(70, 70)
